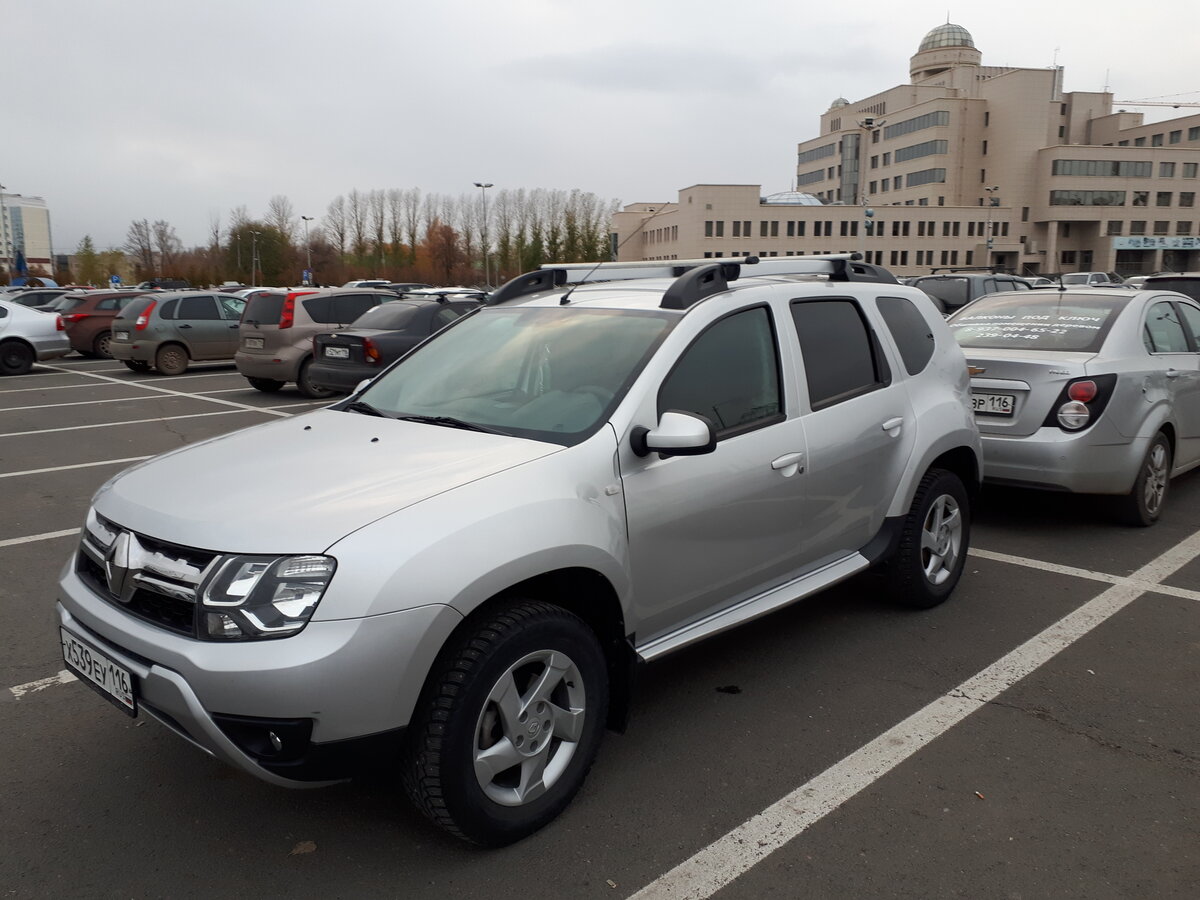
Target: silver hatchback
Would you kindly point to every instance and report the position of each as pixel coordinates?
(1088, 390)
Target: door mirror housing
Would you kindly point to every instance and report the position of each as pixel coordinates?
(677, 434)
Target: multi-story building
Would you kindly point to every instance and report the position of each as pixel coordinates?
(966, 165)
(24, 235)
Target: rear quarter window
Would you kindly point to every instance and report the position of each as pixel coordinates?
(912, 334)
(264, 309)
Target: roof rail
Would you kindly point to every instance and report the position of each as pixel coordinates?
(544, 279)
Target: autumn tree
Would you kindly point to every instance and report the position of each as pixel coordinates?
(167, 245)
(139, 244)
(87, 263)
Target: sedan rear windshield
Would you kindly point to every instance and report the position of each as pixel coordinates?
(1058, 321)
(390, 316)
(951, 291)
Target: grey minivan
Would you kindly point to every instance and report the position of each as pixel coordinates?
(277, 331)
(168, 331)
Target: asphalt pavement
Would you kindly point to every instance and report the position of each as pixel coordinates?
(1036, 736)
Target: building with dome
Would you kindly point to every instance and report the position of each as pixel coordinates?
(963, 165)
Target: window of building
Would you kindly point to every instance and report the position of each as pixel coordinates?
(845, 230)
(925, 176)
(873, 188)
(896, 229)
(929, 148)
(1175, 137)
(897, 181)
(924, 201)
(895, 256)
(883, 186)
(1122, 143)
(816, 229)
(1162, 198)
(956, 228)
(720, 228)
(746, 228)
(708, 229)
(987, 117)
(971, 229)
(737, 229)
(1189, 169)
(1166, 170)
(904, 257)
(970, 260)
(810, 177)
(1156, 140)
(1067, 257)
(1024, 213)
(1183, 227)
(945, 229)
(791, 229)
(1161, 227)
(1140, 198)
(1187, 198)
(887, 158)
(985, 148)
(1139, 142)
(1062, 109)
(816, 153)
(1194, 133)
(908, 126)
(1115, 227)
(1003, 229)
(1107, 168)
(1062, 131)
(800, 228)
(875, 162)
(1065, 229)
(1137, 227)
(941, 201)
(945, 260)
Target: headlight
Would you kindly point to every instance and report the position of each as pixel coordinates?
(250, 597)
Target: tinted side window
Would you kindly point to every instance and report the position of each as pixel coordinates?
(909, 330)
(840, 359)
(168, 309)
(1191, 316)
(197, 308)
(1164, 332)
(231, 307)
(729, 375)
(109, 303)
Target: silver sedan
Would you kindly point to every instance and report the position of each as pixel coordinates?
(1086, 390)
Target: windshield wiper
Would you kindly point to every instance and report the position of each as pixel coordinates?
(361, 406)
(450, 422)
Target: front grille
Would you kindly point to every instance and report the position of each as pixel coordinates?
(153, 580)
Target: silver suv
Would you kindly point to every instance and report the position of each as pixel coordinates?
(578, 478)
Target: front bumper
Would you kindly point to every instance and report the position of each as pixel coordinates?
(355, 680)
(1097, 460)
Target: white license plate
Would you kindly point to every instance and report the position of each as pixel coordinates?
(253, 343)
(121, 335)
(337, 352)
(993, 404)
(113, 681)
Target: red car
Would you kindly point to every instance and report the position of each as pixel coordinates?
(88, 315)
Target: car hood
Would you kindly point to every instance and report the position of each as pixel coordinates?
(301, 484)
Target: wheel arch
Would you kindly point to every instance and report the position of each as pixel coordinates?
(588, 594)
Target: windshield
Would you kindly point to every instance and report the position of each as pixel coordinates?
(1059, 321)
(951, 291)
(546, 374)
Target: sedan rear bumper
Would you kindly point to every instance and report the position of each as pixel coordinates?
(1095, 461)
(50, 347)
(343, 378)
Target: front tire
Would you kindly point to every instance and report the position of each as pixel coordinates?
(514, 713)
(171, 360)
(1142, 506)
(933, 544)
(16, 358)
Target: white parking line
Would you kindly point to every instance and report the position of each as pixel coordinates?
(75, 403)
(102, 462)
(61, 387)
(722, 861)
(49, 535)
(1146, 586)
(63, 677)
(168, 391)
(219, 412)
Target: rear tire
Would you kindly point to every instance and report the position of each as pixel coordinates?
(307, 388)
(266, 385)
(171, 360)
(512, 717)
(100, 346)
(933, 545)
(16, 358)
(1142, 506)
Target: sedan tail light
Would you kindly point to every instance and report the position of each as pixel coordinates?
(370, 351)
(144, 319)
(58, 324)
(1081, 402)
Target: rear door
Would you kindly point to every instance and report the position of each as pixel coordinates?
(199, 323)
(1173, 346)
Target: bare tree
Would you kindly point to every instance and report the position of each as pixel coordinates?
(356, 216)
(377, 214)
(282, 216)
(238, 217)
(168, 245)
(139, 243)
(412, 221)
(335, 223)
(395, 214)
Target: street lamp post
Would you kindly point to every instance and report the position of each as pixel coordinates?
(992, 200)
(307, 249)
(483, 186)
(254, 264)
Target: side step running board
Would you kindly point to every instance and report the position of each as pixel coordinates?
(753, 607)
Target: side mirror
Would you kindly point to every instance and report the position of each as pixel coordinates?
(677, 434)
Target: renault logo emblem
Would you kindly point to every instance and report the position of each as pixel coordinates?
(116, 566)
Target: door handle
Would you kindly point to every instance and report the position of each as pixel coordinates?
(1173, 373)
(789, 464)
(185, 325)
(893, 424)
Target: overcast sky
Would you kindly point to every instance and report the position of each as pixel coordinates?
(115, 110)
